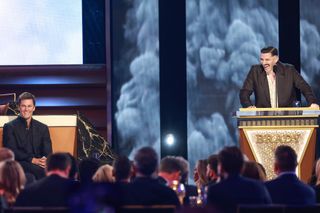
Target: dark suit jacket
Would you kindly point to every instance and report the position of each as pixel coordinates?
(148, 191)
(288, 189)
(287, 79)
(236, 190)
(15, 139)
(51, 191)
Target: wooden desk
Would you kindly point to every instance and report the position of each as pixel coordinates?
(62, 128)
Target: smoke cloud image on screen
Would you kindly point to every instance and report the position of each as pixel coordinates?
(40, 32)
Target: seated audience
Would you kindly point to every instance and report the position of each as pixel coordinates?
(200, 174)
(103, 174)
(191, 190)
(253, 170)
(145, 189)
(87, 168)
(287, 188)
(234, 189)
(7, 154)
(53, 190)
(212, 169)
(12, 181)
(122, 169)
(169, 170)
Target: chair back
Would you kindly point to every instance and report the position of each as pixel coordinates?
(147, 209)
(261, 208)
(5, 99)
(36, 209)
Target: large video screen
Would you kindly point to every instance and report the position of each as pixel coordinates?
(41, 32)
(310, 43)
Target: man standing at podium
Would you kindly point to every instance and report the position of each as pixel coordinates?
(273, 83)
(29, 139)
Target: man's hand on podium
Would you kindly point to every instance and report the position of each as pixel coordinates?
(314, 106)
(252, 107)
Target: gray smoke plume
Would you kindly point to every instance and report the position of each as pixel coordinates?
(137, 117)
(224, 38)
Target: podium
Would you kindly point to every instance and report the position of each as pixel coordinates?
(62, 128)
(262, 130)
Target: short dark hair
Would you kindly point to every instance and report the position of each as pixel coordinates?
(58, 161)
(146, 160)
(231, 159)
(213, 162)
(121, 168)
(74, 166)
(25, 96)
(184, 169)
(286, 158)
(272, 50)
(170, 164)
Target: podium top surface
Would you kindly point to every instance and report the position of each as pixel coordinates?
(290, 111)
(49, 120)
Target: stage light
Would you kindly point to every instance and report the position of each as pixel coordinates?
(170, 140)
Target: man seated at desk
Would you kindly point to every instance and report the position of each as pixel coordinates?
(28, 138)
(273, 83)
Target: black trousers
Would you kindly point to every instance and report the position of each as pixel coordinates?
(36, 170)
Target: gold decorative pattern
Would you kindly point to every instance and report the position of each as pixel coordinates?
(263, 143)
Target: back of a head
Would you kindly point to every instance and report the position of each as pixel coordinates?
(231, 159)
(12, 179)
(58, 161)
(121, 168)
(253, 170)
(170, 164)
(146, 161)
(185, 167)
(103, 174)
(87, 168)
(285, 158)
(6, 154)
(213, 162)
(74, 167)
(272, 50)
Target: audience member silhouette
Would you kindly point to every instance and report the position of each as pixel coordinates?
(74, 170)
(234, 189)
(12, 181)
(53, 190)
(145, 189)
(169, 170)
(253, 170)
(191, 190)
(122, 169)
(212, 169)
(200, 174)
(87, 168)
(7, 154)
(103, 174)
(287, 188)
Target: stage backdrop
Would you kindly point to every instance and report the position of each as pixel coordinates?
(223, 40)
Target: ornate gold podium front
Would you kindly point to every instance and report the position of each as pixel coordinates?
(264, 129)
